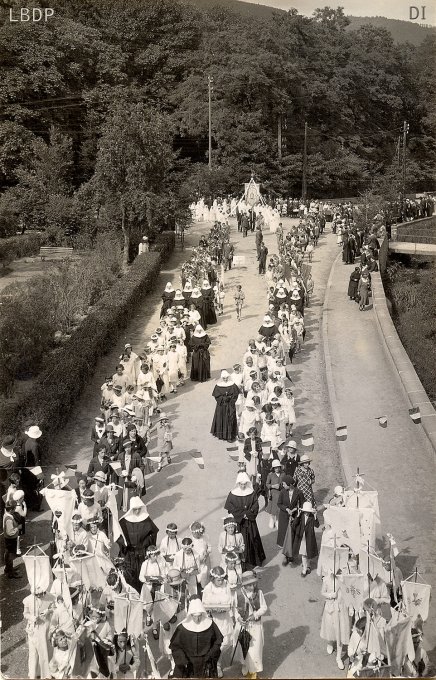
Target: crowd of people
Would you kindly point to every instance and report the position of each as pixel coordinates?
(108, 584)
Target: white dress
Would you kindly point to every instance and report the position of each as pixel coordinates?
(253, 661)
(220, 595)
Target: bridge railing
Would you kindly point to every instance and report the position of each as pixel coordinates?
(418, 231)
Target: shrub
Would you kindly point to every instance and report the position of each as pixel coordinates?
(164, 243)
(21, 246)
(68, 369)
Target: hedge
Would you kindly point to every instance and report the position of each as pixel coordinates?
(69, 368)
(21, 246)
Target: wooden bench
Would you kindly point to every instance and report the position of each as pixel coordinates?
(55, 253)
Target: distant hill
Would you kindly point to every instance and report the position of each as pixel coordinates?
(401, 31)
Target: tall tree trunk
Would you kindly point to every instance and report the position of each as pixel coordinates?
(126, 237)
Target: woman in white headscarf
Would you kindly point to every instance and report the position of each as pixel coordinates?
(196, 644)
(167, 298)
(243, 504)
(200, 361)
(226, 393)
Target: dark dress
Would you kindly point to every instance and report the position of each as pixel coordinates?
(200, 360)
(245, 510)
(30, 457)
(138, 535)
(353, 285)
(196, 653)
(290, 464)
(167, 302)
(268, 333)
(224, 425)
(285, 502)
(300, 527)
(200, 306)
(209, 309)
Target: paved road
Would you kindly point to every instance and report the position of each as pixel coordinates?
(398, 460)
(183, 493)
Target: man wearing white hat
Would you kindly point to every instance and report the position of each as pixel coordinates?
(31, 448)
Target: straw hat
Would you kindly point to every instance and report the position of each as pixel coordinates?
(307, 507)
(305, 459)
(34, 432)
(248, 578)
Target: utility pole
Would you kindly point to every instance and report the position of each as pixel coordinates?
(279, 136)
(210, 82)
(405, 131)
(304, 183)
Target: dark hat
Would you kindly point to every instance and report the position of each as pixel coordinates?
(289, 480)
(8, 440)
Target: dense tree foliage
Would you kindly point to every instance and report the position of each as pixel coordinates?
(104, 116)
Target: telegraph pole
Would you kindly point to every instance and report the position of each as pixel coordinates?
(304, 183)
(405, 131)
(210, 82)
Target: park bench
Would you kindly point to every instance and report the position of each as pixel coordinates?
(55, 253)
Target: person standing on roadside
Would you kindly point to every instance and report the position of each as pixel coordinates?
(263, 252)
(239, 297)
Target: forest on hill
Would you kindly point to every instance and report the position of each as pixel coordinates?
(104, 110)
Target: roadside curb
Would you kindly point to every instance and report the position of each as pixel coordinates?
(348, 471)
(413, 388)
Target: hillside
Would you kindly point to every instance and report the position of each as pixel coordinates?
(401, 31)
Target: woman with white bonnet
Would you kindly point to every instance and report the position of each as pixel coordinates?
(139, 532)
(196, 644)
(226, 393)
(200, 360)
(243, 504)
(167, 298)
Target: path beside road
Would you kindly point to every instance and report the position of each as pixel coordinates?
(398, 460)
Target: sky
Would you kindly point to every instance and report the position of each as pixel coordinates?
(393, 9)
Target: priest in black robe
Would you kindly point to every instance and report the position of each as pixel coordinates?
(225, 392)
(242, 502)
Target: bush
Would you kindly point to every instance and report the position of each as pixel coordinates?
(21, 246)
(164, 243)
(68, 369)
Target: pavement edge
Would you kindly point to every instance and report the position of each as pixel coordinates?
(347, 470)
(413, 388)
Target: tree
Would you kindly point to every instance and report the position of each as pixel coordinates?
(131, 172)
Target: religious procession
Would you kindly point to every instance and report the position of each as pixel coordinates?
(116, 593)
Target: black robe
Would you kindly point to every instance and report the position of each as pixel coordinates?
(167, 302)
(300, 527)
(353, 284)
(200, 306)
(196, 654)
(245, 510)
(138, 535)
(224, 425)
(268, 333)
(209, 309)
(283, 503)
(200, 361)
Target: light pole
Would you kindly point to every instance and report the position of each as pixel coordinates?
(405, 131)
(304, 183)
(210, 83)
